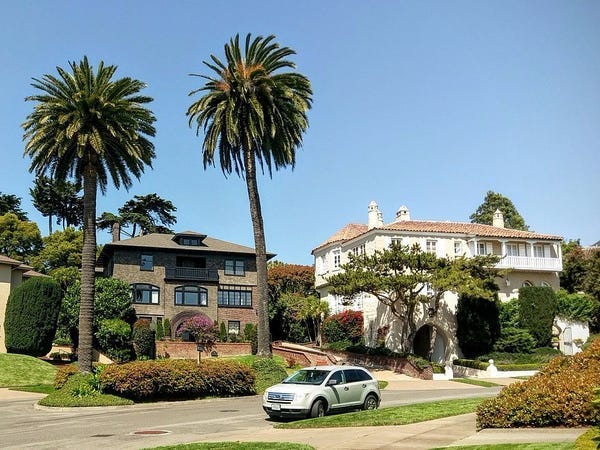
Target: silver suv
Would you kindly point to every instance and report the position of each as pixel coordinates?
(316, 391)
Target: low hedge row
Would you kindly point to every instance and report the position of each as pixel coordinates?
(561, 394)
(145, 380)
(480, 365)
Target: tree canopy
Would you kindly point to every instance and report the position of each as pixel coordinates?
(10, 203)
(19, 239)
(403, 277)
(493, 201)
(58, 199)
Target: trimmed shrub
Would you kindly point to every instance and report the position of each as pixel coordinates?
(268, 372)
(144, 380)
(31, 316)
(478, 325)
(167, 327)
(160, 331)
(347, 325)
(144, 340)
(561, 394)
(114, 338)
(515, 340)
(509, 314)
(537, 309)
(578, 306)
(63, 374)
(223, 332)
(251, 335)
(542, 355)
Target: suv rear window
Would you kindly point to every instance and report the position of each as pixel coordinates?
(353, 375)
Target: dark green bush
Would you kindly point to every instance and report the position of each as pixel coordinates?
(144, 340)
(251, 335)
(347, 325)
(31, 316)
(114, 338)
(509, 314)
(561, 394)
(540, 355)
(478, 325)
(223, 332)
(515, 340)
(268, 372)
(576, 306)
(145, 380)
(167, 327)
(160, 331)
(473, 364)
(537, 309)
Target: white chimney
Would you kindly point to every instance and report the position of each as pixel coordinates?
(498, 220)
(403, 214)
(374, 216)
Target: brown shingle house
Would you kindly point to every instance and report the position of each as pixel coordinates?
(177, 276)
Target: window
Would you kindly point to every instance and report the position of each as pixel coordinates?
(359, 250)
(538, 251)
(188, 261)
(484, 248)
(236, 296)
(234, 267)
(191, 296)
(337, 259)
(431, 246)
(145, 294)
(147, 262)
(189, 241)
(457, 247)
(396, 241)
(527, 283)
(512, 249)
(233, 327)
(545, 284)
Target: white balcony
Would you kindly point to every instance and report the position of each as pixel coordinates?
(530, 263)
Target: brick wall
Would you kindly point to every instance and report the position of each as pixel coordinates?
(187, 350)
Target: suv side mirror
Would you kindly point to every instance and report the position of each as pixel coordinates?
(332, 382)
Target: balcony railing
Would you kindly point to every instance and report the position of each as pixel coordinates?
(191, 273)
(530, 263)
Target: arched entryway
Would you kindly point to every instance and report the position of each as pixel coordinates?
(422, 342)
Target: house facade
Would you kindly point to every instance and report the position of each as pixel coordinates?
(12, 274)
(527, 259)
(177, 276)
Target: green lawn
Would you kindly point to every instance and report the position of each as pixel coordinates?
(475, 382)
(22, 370)
(397, 415)
(532, 446)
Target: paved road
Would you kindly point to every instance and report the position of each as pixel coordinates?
(23, 425)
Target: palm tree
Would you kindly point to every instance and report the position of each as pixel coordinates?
(250, 114)
(87, 126)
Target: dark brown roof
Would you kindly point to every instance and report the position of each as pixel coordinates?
(351, 231)
(160, 241)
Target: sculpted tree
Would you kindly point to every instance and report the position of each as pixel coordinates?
(88, 126)
(493, 201)
(251, 115)
(403, 278)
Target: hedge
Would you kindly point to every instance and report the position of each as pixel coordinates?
(561, 394)
(144, 380)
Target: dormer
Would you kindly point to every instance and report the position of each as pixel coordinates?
(189, 238)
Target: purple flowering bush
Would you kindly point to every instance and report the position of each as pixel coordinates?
(202, 329)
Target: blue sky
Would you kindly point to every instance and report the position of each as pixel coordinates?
(424, 104)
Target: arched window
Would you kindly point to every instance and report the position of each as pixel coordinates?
(527, 283)
(191, 296)
(545, 284)
(145, 294)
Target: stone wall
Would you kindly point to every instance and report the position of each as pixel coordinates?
(400, 365)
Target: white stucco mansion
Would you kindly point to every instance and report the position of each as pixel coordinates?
(533, 259)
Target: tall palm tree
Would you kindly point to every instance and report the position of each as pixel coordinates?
(87, 126)
(250, 114)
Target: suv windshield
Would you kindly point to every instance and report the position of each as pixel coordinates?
(309, 376)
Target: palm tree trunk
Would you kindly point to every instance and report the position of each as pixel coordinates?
(264, 334)
(88, 267)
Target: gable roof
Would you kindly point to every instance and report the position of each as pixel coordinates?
(167, 242)
(19, 265)
(352, 231)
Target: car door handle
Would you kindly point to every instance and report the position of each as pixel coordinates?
(346, 388)
(364, 385)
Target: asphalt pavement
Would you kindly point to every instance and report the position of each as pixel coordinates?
(450, 431)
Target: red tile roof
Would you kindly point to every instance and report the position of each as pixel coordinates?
(351, 231)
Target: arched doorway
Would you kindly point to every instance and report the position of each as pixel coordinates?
(422, 342)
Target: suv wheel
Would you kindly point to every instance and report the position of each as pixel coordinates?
(370, 402)
(318, 409)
